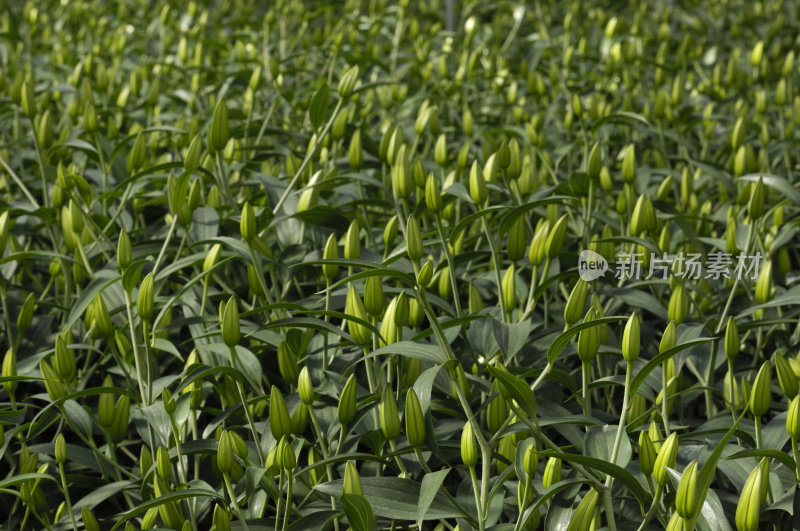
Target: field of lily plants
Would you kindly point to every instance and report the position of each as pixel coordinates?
(373, 265)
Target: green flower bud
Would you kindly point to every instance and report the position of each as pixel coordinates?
(584, 514)
(552, 472)
(764, 284)
(218, 133)
(537, 248)
(555, 240)
(793, 419)
(60, 449)
(731, 339)
(589, 338)
(105, 405)
(425, 274)
(517, 238)
(352, 242)
(755, 206)
(230, 323)
(355, 154)
(687, 502)
(26, 312)
(355, 307)
(9, 370)
(28, 99)
(225, 453)
(193, 153)
(402, 177)
(352, 482)
(414, 246)
(469, 446)
(595, 162)
(748, 509)
(497, 411)
(786, 378)
(390, 232)
(415, 420)
(164, 464)
(89, 521)
(346, 410)
(678, 307)
(287, 363)
(669, 338)
(477, 185)
(506, 449)
(279, 421)
(388, 329)
(64, 360)
(647, 453)
(509, 288)
(137, 155)
(631, 343)
(666, 458)
(390, 420)
(221, 518)
(144, 300)
(433, 194)
(247, 223)
(760, 395)
(285, 456)
(576, 302)
(629, 164)
(305, 387)
(119, 429)
(530, 462)
(643, 218)
(373, 296)
(348, 82)
(124, 250)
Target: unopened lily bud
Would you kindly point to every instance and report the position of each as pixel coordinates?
(643, 218)
(373, 296)
(279, 421)
(144, 300)
(755, 205)
(787, 380)
(218, 133)
(552, 472)
(225, 453)
(28, 99)
(576, 302)
(764, 284)
(530, 462)
(355, 307)
(331, 252)
(164, 464)
(388, 329)
(355, 154)
(517, 239)
(589, 338)
(536, 251)
(305, 388)
(594, 162)
(285, 456)
(686, 500)
(64, 360)
(440, 151)
(678, 307)
(477, 185)
(352, 481)
(212, 257)
(25, 316)
(60, 449)
(509, 288)
(433, 194)
(137, 155)
(731, 339)
(287, 363)
(193, 153)
(629, 165)
(346, 410)
(666, 458)
(469, 446)
(669, 338)
(631, 342)
(647, 453)
(352, 242)
(402, 309)
(348, 82)
(415, 420)
(583, 516)
(748, 510)
(760, 394)
(10, 370)
(247, 223)
(119, 429)
(230, 323)
(390, 420)
(555, 239)
(793, 419)
(425, 274)
(414, 246)
(390, 232)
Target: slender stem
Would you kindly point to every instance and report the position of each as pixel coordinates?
(290, 477)
(796, 455)
(587, 400)
(66, 496)
(137, 357)
(496, 262)
(250, 422)
(227, 477)
(759, 442)
(165, 244)
(478, 502)
(400, 465)
(653, 509)
(664, 399)
(450, 263)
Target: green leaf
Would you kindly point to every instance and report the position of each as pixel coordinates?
(358, 511)
(564, 338)
(517, 388)
(319, 106)
(422, 351)
(784, 458)
(172, 496)
(431, 484)
(406, 278)
(395, 498)
(642, 374)
(777, 182)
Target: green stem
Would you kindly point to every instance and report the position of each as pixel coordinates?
(664, 399)
(450, 263)
(229, 487)
(256, 438)
(66, 496)
(496, 262)
(587, 401)
(290, 477)
(796, 455)
(478, 503)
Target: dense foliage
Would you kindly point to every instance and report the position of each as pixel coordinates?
(267, 265)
